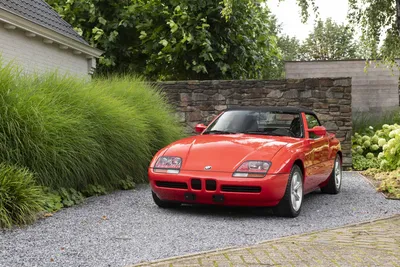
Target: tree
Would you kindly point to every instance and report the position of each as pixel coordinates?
(290, 48)
(329, 41)
(379, 21)
(178, 39)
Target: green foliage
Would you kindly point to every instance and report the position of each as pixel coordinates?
(53, 200)
(390, 157)
(361, 162)
(70, 197)
(290, 48)
(329, 41)
(177, 40)
(127, 184)
(377, 149)
(94, 190)
(379, 21)
(20, 198)
(73, 133)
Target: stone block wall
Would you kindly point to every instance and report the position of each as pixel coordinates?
(200, 101)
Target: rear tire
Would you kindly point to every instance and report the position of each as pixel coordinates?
(290, 204)
(335, 179)
(164, 204)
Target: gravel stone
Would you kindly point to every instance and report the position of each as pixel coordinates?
(136, 230)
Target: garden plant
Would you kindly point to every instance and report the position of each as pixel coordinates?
(69, 138)
(378, 152)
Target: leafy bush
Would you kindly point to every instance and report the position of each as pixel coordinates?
(377, 149)
(70, 197)
(127, 184)
(20, 198)
(94, 190)
(378, 152)
(53, 201)
(73, 133)
(362, 163)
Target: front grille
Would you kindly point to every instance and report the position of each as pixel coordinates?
(171, 184)
(211, 185)
(196, 184)
(241, 188)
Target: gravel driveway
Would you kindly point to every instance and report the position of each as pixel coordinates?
(136, 230)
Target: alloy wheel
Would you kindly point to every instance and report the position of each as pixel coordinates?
(296, 191)
(338, 172)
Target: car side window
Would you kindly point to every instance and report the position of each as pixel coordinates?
(312, 121)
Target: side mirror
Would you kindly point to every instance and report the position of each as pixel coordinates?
(318, 130)
(200, 128)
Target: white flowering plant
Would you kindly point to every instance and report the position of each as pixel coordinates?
(377, 149)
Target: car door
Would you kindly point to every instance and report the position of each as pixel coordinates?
(319, 152)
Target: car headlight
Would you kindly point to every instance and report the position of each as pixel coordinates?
(168, 165)
(253, 169)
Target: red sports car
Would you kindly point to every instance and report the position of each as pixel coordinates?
(259, 157)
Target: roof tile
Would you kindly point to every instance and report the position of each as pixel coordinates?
(39, 12)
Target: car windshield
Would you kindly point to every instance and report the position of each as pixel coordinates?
(275, 123)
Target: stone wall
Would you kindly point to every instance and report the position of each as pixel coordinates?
(200, 101)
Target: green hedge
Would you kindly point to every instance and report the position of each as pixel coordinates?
(74, 133)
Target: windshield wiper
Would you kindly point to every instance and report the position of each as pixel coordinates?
(219, 132)
(261, 133)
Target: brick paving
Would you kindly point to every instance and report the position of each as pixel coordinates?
(375, 243)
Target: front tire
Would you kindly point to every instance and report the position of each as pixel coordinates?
(290, 204)
(164, 204)
(335, 179)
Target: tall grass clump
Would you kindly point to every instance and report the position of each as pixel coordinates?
(150, 102)
(363, 120)
(20, 198)
(73, 133)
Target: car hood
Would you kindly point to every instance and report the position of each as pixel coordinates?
(224, 153)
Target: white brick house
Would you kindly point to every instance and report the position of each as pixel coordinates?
(36, 38)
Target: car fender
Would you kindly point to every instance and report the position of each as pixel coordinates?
(285, 158)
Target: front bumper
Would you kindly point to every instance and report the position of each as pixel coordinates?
(220, 188)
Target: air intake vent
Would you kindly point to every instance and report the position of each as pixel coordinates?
(171, 184)
(211, 185)
(240, 188)
(196, 184)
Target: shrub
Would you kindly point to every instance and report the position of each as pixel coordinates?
(53, 201)
(362, 163)
(20, 198)
(379, 150)
(70, 197)
(94, 190)
(73, 133)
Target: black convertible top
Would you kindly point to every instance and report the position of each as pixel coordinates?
(276, 109)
